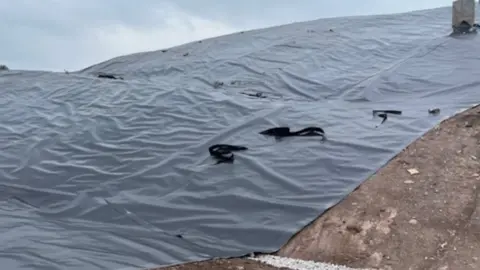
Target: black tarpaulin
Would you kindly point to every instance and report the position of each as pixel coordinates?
(100, 173)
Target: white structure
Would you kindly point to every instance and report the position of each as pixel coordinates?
(296, 264)
(463, 11)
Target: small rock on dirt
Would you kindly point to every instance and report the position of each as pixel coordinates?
(413, 221)
(413, 171)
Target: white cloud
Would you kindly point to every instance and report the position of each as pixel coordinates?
(70, 34)
(34, 46)
(177, 28)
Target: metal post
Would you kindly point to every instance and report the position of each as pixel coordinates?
(463, 15)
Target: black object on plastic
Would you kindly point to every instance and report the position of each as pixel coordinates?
(224, 152)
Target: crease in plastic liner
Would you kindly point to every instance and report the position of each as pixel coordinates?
(99, 173)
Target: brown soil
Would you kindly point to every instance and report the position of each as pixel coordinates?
(399, 219)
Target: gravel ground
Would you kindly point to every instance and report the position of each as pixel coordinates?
(296, 264)
(264, 262)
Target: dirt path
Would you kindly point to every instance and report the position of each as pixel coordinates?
(428, 218)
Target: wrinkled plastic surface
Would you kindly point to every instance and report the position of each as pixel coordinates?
(104, 174)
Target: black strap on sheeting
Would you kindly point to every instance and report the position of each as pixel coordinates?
(223, 152)
(281, 132)
(384, 114)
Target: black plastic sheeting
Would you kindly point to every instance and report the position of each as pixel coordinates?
(98, 173)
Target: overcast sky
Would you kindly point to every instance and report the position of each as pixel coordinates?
(72, 34)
